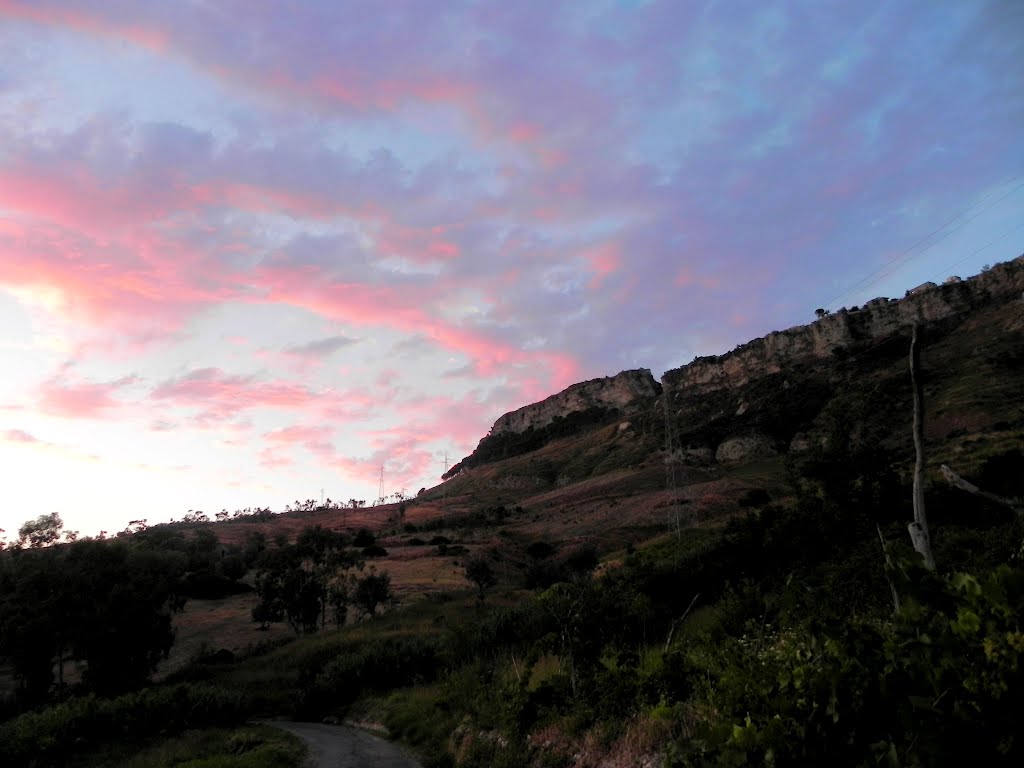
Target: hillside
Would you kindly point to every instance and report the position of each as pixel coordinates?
(772, 396)
(589, 465)
(660, 562)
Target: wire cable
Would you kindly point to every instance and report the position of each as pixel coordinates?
(881, 273)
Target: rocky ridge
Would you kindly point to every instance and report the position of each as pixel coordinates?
(811, 346)
(623, 391)
(877, 319)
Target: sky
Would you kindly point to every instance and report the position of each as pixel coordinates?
(256, 251)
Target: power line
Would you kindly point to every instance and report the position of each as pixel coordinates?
(879, 274)
(979, 250)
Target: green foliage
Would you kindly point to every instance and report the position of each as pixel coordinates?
(372, 591)
(104, 603)
(384, 665)
(247, 747)
(422, 718)
(299, 582)
(41, 532)
(52, 734)
(941, 684)
(479, 572)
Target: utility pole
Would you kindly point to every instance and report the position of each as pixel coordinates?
(380, 493)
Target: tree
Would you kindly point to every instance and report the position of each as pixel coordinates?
(125, 599)
(373, 590)
(255, 544)
(338, 597)
(298, 582)
(41, 532)
(480, 573)
(101, 602)
(195, 516)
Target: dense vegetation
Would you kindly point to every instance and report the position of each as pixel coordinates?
(771, 640)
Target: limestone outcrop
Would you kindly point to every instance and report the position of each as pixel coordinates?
(624, 391)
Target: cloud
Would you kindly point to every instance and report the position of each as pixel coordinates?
(321, 347)
(219, 396)
(82, 400)
(20, 436)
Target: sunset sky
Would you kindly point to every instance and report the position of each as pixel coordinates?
(250, 249)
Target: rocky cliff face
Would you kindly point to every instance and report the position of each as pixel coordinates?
(623, 391)
(878, 318)
(632, 391)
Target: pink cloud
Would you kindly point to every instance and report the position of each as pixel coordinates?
(352, 78)
(220, 395)
(145, 36)
(298, 434)
(82, 400)
(270, 458)
(20, 436)
(393, 308)
(604, 260)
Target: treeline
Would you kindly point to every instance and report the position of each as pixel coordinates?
(94, 615)
(83, 625)
(102, 606)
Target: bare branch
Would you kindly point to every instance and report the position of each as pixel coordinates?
(958, 482)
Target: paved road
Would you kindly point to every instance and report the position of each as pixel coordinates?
(337, 746)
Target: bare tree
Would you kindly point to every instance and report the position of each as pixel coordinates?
(919, 528)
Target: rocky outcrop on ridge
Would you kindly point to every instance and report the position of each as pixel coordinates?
(622, 392)
(879, 318)
(739, 406)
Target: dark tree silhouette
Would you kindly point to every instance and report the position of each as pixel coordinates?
(480, 573)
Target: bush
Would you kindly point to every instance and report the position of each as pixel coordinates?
(383, 665)
(364, 539)
(943, 684)
(57, 732)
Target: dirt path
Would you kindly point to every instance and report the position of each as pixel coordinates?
(337, 746)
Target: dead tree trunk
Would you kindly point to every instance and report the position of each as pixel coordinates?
(958, 482)
(919, 528)
(890, 569)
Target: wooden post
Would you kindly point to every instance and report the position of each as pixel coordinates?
(919, 528)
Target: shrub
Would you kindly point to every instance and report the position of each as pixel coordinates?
(383, 665)
(56, 732)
